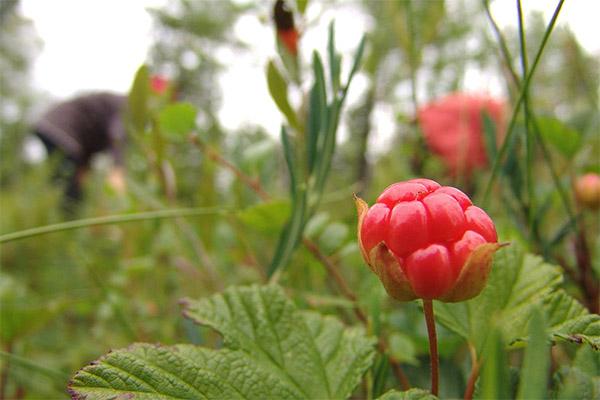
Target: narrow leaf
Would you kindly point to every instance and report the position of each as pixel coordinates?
(138, 99)
(278, 89)
(334, 60)
(317, 113)
(494, 372)
(536, 364)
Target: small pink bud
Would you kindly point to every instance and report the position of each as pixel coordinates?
(427, 241)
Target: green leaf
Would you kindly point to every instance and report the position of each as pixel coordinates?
(571, 383)
(273, 351)
(587, 360)
(494, 372)
(411, 394)
(301, 5)
(266, 217)
(333, 237)
(138, 99)
(334, 60)
(536, 363)
(278, 89)
(294, 228)
(569, 320)
(565, 140)
(316, 119)
(322, 357)
(177, 120)
(518, 284)
(403, 348)
(147, 371)
(490, 134)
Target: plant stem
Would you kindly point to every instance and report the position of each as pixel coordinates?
(112, 219)
(433, 348)
(475, 366)
(524, 87)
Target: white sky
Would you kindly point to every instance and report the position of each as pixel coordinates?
(99, 44)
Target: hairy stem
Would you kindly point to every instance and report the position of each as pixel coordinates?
(433, 347)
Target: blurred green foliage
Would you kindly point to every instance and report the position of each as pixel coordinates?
(68, 297)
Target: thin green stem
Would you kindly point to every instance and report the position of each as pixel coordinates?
(433, 347)
(529, 143)
(524, 88)
(502, 43)
(112, 219)
(56, 375)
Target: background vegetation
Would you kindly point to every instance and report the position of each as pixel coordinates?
(71, 295)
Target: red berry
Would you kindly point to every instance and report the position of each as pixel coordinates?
(427, 241)
(587, 190)
(453, 129)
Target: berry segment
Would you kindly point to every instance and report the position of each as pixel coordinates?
(427, 241)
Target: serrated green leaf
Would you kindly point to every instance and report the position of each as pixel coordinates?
(148, 371)
(278, 89)
(411, 394)
(177, 120)
(316, 353)
(569, 320)
(517, 283)
(273, 351)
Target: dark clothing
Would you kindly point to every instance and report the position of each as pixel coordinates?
(86, 125)
(78, 129)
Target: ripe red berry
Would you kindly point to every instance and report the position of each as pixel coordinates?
(427, 241)
(453, 129)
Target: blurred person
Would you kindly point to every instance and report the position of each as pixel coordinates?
(78, 129)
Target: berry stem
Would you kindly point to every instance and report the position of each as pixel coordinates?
(433, 347)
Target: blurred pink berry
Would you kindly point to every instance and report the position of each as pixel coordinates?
(587, 190)
(427, 241)
(453, 129)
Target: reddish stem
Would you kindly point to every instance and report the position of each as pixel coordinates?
(433, 347)
(476, 365)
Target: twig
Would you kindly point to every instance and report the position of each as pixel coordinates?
(245, 179)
